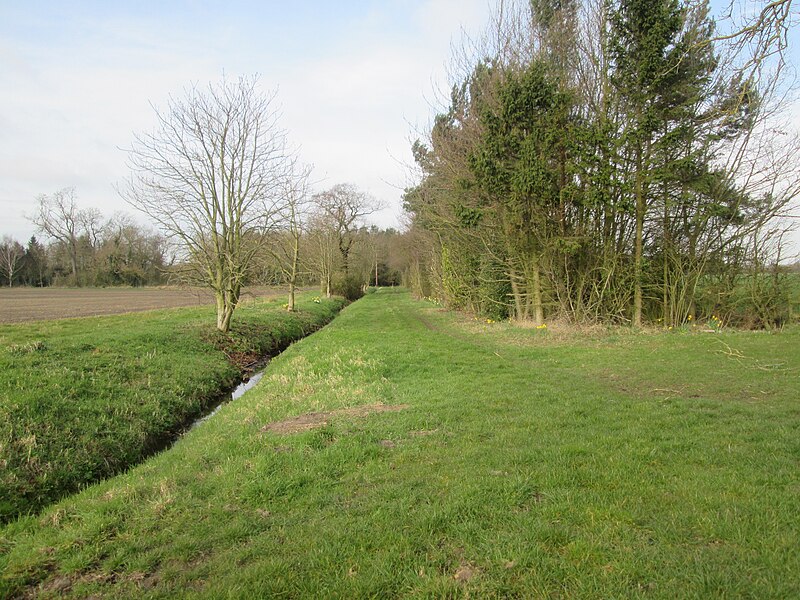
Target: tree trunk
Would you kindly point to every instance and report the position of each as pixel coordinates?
(224, 319)
(224, 312)
(519, 311)
(638, 249)
(293, 272)
(73, 259)
(227, 300)
(536, 284)
(666, 312)
(344, 248)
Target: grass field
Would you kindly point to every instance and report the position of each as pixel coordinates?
(405, 451)
(18, 305)
(81, 399)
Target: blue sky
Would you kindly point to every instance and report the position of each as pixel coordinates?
(354, 79)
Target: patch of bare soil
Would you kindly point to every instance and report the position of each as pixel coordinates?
(314, 420)
(62, 585)
(465, 572)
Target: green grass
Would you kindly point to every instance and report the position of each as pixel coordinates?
(793, 285)
(81, 399)
(526, 464)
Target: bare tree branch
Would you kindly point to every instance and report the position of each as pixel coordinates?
(210, 176)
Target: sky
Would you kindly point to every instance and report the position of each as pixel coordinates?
(354, 80)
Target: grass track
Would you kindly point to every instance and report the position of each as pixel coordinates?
(527, 465)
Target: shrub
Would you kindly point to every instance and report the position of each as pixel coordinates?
(348, 286)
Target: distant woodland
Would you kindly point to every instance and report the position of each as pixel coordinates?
(83, 248)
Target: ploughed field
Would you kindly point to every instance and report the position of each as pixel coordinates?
(36, 304)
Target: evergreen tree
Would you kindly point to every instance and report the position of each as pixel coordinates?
(35, 270)
(645, 54)
(518, 167)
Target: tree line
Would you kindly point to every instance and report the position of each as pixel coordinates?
(598, 161)
(326, 242)
(81, 247)
(605, 162)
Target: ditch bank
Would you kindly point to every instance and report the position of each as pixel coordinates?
(85, 399)
(252, 367)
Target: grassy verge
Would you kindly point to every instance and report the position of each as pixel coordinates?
(81, 399)
(515, 463)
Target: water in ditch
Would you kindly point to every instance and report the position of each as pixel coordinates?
(237, 393)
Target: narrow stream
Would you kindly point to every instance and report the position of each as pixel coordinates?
(237, 393)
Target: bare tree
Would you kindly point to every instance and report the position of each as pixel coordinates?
(92, 225)
(11, 254)
(210, 176)
(290, 221)
(323, 250)
(58, 217)
(345, 206)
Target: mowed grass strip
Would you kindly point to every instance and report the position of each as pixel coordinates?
(484, 461)
(82, 399)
